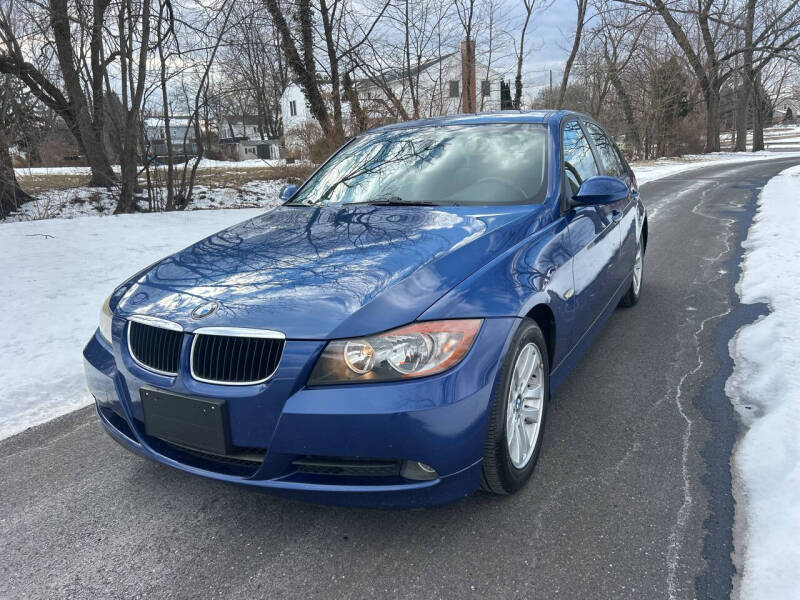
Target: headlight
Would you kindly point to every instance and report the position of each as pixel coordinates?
(105, 321)
(415, 350)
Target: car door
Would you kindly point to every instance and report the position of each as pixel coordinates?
(624, 211)
(593, 233)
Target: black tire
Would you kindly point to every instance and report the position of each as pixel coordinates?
(500, 476)
(632, 296)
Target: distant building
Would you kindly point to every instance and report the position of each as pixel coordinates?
(182, 136)
(441, 84)
(239, 126)
(244, 149)
(440, 88)
(790, 106)
(295, 110)
(240, 139)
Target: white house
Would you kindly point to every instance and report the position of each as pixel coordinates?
(239, 126)
(440, 87)
(244, 149)
(295, 110)
(784, 106)
(440, 84)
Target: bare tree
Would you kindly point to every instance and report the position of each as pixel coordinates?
(11, 195)
(83, 115)
(576, 44)
(528, 5)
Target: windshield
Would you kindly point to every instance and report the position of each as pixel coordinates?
(451, 164)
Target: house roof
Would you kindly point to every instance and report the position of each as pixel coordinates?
(173, 122)
(392, 75)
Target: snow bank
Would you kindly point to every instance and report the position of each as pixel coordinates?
(76, 202)
(205, 163)
(56, 274)
(664, 167)
(765, 390)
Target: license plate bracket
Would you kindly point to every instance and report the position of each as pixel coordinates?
(199, 424)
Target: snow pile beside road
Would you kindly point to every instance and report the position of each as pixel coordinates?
(56, 274)
(664, 167)
(765, 390)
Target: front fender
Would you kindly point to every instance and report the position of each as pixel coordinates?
(536, 271)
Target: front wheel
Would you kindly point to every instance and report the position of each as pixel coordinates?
(631, 297)
(517, 420)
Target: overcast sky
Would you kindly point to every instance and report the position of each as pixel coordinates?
(548, 40)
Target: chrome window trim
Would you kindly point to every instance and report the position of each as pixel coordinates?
(152, 322)
(235, 332)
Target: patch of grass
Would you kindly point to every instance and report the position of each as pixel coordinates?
(37, 183)
(235, 177)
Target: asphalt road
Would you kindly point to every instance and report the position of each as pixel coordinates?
(631, 498)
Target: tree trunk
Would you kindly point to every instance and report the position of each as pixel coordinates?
(521, 55)
(741, 117)
(333, 61)
(11, 195)
(711, 96)
(170, 205)
(627, 107)
(576, 44)
(303, 67)
(129, 171)
(412, 89)
(758, 116)
(748, 80)
(351, 96)
(102, 174)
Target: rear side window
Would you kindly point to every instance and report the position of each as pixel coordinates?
(578, 158)
(605, 148)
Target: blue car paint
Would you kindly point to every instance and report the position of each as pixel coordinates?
(321, 273)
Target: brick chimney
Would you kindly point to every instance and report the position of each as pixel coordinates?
(468, 103)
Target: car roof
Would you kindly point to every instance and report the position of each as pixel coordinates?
(503, 116)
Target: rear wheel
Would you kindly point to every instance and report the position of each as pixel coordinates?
(631, 297)
(518, 413)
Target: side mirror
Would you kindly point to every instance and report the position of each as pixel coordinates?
(600, 189)
(287, 192)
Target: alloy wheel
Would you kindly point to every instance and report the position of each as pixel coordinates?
(525, 405)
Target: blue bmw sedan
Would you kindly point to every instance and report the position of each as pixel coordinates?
(391, 334)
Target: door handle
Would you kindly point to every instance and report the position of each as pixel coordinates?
(616, 215)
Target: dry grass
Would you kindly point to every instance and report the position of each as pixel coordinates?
(233, 177)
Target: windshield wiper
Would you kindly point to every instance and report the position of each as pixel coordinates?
(396, 201)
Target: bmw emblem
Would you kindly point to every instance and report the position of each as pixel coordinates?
(204, 310)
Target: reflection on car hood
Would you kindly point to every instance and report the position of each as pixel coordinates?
(327, 272)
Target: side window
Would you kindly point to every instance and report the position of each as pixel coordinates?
(606, 150)
(454, 89)
(579, 162)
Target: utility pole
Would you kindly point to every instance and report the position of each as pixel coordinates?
(551, 85)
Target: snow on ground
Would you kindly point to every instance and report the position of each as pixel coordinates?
(56, 275)
(85, 201)
(765, 390)
(777, 137)
(205, 163)
(663, 167)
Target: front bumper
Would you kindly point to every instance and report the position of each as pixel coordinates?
(439, 420)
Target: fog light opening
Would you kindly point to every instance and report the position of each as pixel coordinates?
(418, 471)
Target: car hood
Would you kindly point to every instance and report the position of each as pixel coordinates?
(327, 272)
